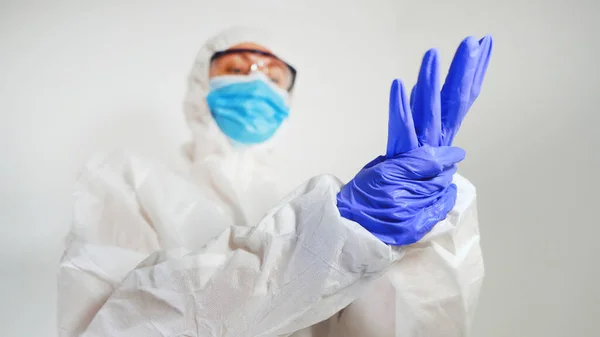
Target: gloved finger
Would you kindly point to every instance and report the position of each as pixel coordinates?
(376, 161)
(448, 156)
(413, 190)
(413, 93)
(401, 130)
(430, 216)
(456, 92)
(426, 162)
(410, 228)
(403, 209)
(486, 46)
(427, 106)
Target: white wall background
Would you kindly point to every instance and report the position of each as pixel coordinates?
(77, 77)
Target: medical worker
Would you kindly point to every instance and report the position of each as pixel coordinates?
(221, 252)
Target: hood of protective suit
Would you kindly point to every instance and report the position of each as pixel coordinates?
(241, 172)
(207, 138)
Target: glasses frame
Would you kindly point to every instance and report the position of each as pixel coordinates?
(218, 54)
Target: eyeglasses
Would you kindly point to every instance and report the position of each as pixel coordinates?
(244, 61)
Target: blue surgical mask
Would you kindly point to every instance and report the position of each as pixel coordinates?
(248, 109)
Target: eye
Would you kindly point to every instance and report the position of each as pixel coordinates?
(275, 80)
(234, 70)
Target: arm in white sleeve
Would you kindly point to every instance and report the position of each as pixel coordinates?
(125, 209)
(433, 290)
(300, 265)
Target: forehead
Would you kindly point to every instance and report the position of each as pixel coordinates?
(250, 45)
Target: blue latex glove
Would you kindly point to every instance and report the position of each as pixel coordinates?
(461, 88)
(399, 197)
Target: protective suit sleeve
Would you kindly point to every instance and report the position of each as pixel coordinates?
(125, 209)
(300, 265)
(432, 291)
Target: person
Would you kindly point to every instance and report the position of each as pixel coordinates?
(221, 252)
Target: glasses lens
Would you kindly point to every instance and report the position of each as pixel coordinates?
(242, 62)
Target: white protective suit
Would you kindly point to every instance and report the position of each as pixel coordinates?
(221, 253)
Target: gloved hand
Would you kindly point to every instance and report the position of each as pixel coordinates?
(399, 197)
